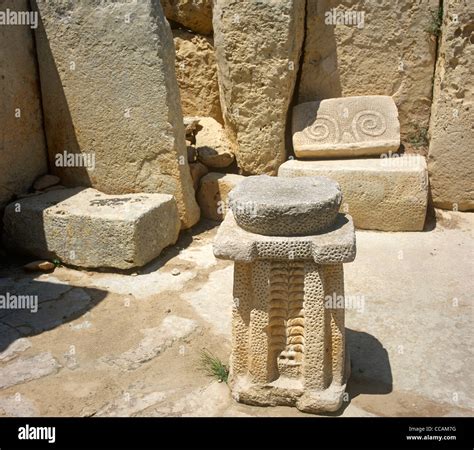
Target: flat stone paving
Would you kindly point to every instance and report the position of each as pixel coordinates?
(109, 344)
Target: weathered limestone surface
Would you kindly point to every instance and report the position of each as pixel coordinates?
(193, 14)
(213, 193)
(391, 53)
(351, 126)
(109, 88)
(198, 170)
(213, 147)
(388, 194)
(86, 228)
(196, 72)
(257, 209)
(288, 342)
(451, 155)
(257, 46)
(22, 142)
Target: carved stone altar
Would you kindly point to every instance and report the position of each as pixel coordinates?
(288, 242)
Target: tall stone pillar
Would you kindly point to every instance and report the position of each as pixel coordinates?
(288, 242)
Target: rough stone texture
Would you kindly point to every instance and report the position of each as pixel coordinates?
(388, 194)
(451, 156)
(86, 228)
(392, 54)
(156, 340)
(285, 207)
(109, 89)
(195, 15)
(336, 245)
(288, 344)
(213, 194)
(213, 147)
(198, 170)
(22, 142)
(351, 126)
(196, 71)
(258, 46)
(32, 368)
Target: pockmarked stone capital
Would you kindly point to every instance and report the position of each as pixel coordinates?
(349, 126)
(282, 207)
(288, 335)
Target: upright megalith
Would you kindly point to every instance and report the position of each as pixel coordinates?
(451, 155)
(288, 248)
(22, 142)
(110, 94)
(258, 46)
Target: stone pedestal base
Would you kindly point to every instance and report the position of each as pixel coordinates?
(288, 340)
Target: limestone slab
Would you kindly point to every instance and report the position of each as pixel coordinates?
(451, 155)
(282, 207)
(388, 194)
(86, 228)
(195, 15)
(213, 148)
(350, 126)
(110, 96)
(22, 141)
(336, 245)
(258, 47)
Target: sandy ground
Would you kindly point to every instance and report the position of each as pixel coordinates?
(110, 344)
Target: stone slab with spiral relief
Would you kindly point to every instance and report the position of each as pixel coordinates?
(350, 126)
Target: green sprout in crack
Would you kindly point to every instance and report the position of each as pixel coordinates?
(436, 21)
(418, 137)
(57, 263)
(213, 366)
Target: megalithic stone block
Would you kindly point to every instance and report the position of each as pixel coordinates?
(350, 126)
(288, 341)
(110, 92)
(86, 228)
(387, 194)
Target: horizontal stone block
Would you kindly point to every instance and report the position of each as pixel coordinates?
(350, 126)
(85, 228)
(336, 245)
(388, 194)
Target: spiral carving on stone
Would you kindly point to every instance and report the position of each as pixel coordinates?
(369, 123)
(324, 128)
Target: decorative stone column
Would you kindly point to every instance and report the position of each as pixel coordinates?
(288, 242)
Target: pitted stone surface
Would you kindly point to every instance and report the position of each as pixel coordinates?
(277, 207)
(350, 126)
(86, 228)
(336, 245)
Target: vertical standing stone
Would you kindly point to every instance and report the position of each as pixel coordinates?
(22, 143)
(109, 89)
(257, 46)
(451, 155)
(288, 243)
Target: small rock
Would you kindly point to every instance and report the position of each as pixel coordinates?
(192, 155)
(175, 272)
(213, 147)
(198, 170)
(45, 181)
(39, 266)
(134, 274)
(191, 128)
